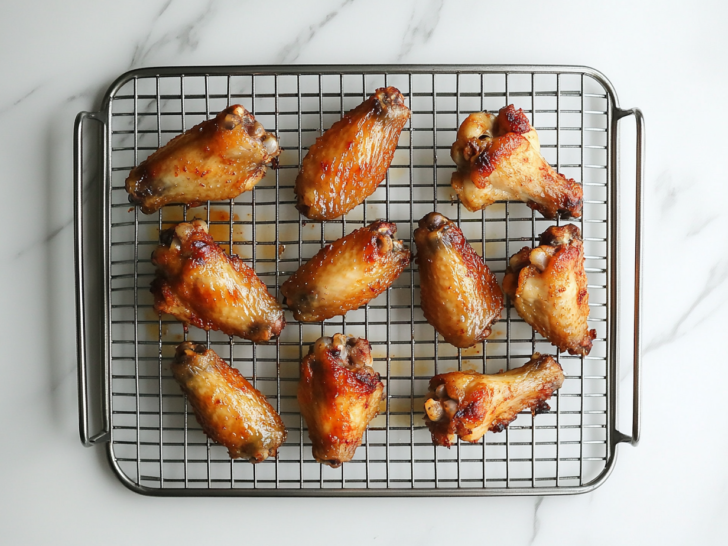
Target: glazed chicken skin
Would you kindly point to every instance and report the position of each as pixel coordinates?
(201, 285)
(460, 295)
(347, 273)
(499, 159)
(218, 159)
(548, 288)
(339, 395)
(229, 409)
(347, 163)
(469, 404)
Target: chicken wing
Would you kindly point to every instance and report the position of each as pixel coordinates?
(217, 159)
(499, 159)
(347, 163)
(469, 404)
(229, 409)
(347, 273)
(199, 284)
(548, 288)
(460, 296)
(339, 394)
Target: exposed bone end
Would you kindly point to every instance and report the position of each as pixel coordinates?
(385, 237)
(352, 352)
(433, 409)
(338, 343)
(231, 121)
(389, 97)
(476, 125)
(434, 222)
(182, 231)
(187, 349)
(256, 129)
(384, 228)
(175, 245)
(333, 463)
(384, 244)
(560, 235)
(450, 407)
(539, 258)
(270, 145)
(439, 405)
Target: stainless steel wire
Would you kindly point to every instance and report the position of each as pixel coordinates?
(156, 445)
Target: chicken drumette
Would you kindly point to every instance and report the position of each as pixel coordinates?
(347, 273)
(469, 404)
(339, 394)
(548, 288)
(217, 159)
(347, 163)
(499, 159)
(460, 295)
(201, 285)
(229, 409)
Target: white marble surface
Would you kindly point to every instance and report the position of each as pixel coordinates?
(667, 58)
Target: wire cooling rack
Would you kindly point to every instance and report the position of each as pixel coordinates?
(155, 444)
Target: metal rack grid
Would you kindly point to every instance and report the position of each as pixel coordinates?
(156, 445)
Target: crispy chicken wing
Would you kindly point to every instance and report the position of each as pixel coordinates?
(217, 159)
(199, 284)
(347, 163)
(469, 404)
(339, 394)
(460, 295)
(347, 273)
(229, 409)
(547, 286)
(499, 159)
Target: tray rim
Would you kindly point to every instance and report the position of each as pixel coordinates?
(613, 435)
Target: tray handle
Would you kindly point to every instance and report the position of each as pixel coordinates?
(87, 439)
(637, 340)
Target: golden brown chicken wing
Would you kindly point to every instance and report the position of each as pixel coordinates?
(217, 159)
(499, 159)
(469, 404)
(199, 284)
(229, 409)
(460, 296)
(347, 273)
(347, 163)
(547, 286)
(339, 394)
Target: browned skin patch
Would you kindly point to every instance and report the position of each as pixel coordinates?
(348, 162)
(339, 394)
(490, 402)
(558, 308)
(500, 156)
(229, 409)
(460, 296)
(511, 120)
(199, 284)
(347, 273)
(216, 160)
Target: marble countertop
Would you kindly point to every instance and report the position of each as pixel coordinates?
(59, 58)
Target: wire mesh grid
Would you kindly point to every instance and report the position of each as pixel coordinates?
(156, 442)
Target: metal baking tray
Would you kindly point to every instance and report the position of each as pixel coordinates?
(153, 441)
